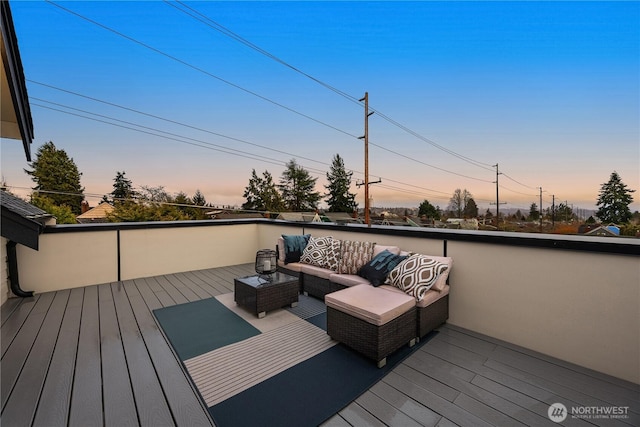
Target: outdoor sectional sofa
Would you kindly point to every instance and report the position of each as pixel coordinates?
(333, 265)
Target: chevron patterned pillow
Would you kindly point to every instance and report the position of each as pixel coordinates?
(354, 255)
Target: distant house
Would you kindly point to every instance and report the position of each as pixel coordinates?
(221, 214)
(610, 230)
(299, 216)
(341, 218)
(585, 228)
(461, 223)
(96, 215)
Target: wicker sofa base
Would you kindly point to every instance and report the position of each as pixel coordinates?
(374, 342)
(318, 287)
(291, 273)
(432, 316)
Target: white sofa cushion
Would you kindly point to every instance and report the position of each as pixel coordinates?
(348, 279)
(379, 248)
(313, 270)
(430, 296)
(293, 266)
(373, 305)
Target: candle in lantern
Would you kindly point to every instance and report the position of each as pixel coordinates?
(267, 265)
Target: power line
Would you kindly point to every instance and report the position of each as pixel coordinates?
(199, 143)
(164, 119)
(215, 147)
(200, 70)
(221, 148)
(482, 165)
(227, 32)
(518, 182)
(182, 62)
(171, 121)
(518, 192)
(427, 164)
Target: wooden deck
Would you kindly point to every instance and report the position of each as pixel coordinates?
(94, 356)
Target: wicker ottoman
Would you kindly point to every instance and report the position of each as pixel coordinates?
(373, 321)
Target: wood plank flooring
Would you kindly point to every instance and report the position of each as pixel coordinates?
(95, 356)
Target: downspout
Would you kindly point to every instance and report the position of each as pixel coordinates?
(12, 261)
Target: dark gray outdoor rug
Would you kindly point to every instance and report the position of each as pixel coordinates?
(280, 370)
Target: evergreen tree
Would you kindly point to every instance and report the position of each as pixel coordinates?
(56, 172)
(470, 209)
(262, 194)
(252, 193)
(198, 199)
(296, 186)
(614, 201)
(338, 197)
(534, 213)
(122, 188)
(428, 210)
(563, 212)
(270, 195)
(62, 213)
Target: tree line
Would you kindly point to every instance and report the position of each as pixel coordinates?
(59, 192)
(295, 191)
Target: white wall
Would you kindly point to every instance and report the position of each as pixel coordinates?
(583, 307)
(578, 306)
(155, 251)
(68, 260)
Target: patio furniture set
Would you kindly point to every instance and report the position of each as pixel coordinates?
(378, 297)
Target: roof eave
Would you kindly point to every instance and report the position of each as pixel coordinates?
(12, 65)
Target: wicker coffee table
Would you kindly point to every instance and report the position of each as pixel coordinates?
(266, 292)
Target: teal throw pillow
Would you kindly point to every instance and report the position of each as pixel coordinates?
(294, 245)
(377, 270)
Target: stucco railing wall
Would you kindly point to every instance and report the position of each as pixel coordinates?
(154, 251)
(574, 298)
(79, 256)
(68, 260)
(582, 307)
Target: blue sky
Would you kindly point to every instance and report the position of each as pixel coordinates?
(550, 91)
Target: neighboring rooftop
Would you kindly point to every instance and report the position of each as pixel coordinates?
(97, 214)
(20, 207)
(22, 222)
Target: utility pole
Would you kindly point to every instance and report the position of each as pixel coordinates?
(367, 218)
(497, 198)
(540, 209)
(553, 212)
